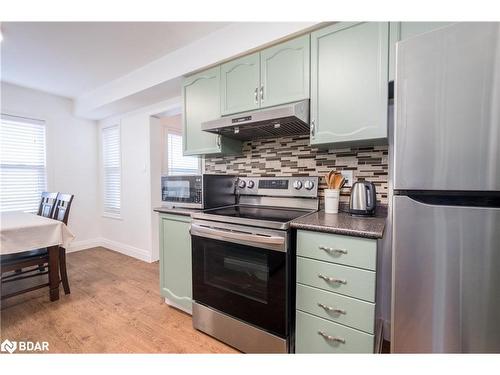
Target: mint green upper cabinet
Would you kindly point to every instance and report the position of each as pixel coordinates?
(240, 84)
(404, 30)
(349, 83)
(175, 260)
(284, 72)
(201, 100)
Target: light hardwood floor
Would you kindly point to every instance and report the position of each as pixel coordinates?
(114, 307)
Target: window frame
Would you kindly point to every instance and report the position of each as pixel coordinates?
(34, 121)
(111, 215)
(172, 130)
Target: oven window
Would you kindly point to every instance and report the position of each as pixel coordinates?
(238, 272)
(244, 282)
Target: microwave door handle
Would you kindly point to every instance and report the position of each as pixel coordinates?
(226, 235)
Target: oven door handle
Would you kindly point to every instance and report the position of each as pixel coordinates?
(227, 235)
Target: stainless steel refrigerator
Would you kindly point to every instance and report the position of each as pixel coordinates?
(446, 233)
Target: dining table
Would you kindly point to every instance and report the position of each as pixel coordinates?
(24, 231)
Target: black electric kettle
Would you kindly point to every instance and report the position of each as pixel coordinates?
(363, 199)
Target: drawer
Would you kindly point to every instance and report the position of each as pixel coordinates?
(339, 339)
(351, 251)
(337, 308)
(349, 281)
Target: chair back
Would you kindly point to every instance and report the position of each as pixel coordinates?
(62, 206)
(47, 204)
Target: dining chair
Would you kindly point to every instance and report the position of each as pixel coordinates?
(45, 209)
(21, 263)
(61, 213)
(18, 266)
(47, 204)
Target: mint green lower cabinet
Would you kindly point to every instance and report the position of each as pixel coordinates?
(346, 250)
(349, 281)
(345, 310)
(335, 293)
(175, 261)
(318, 335)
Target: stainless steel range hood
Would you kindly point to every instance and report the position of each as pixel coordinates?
(284, 120)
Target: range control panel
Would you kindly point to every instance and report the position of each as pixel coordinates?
(305, 187)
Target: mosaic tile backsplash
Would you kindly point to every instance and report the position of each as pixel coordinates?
(294, 156)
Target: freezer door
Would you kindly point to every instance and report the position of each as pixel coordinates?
(447, 133)
(446, 278)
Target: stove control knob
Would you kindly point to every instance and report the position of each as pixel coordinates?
(251, 184)
(242, 184)
(297, 185)
(309, 185)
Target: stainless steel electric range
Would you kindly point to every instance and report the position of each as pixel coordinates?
(244, 263)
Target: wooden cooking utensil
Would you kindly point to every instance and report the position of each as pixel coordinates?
(328, 179)
(337, 180)
(332, 181)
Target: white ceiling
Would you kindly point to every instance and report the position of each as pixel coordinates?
(72, 58)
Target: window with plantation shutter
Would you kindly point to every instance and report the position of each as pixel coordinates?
(111, 159)
(178, 163)
(23, 175)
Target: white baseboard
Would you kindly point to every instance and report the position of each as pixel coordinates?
(131, 251)
(122, 248)
(82, 245)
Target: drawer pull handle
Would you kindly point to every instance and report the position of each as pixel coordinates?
(331, 338)
(331, 250)
(332, 309)
(332, 279)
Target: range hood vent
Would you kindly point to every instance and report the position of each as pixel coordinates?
(286, 120)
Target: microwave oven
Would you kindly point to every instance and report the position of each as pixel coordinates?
(199, 191)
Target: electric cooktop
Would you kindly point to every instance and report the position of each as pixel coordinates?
(281, 215)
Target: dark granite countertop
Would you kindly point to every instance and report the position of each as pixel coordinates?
(342, 223)
(176, 210)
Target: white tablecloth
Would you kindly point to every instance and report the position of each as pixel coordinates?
(20, 231)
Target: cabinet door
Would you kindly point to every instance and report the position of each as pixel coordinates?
(240, 84)
(284, 74)
(175, 261)
(201, 101)
(349, 79)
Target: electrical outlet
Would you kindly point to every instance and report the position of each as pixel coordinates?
(348, 177)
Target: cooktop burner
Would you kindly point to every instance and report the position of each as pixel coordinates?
(281, 215)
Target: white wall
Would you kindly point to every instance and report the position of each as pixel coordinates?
(71, 154)
(135, 234)
(233, 40)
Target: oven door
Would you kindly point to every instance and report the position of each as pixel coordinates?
(241, 271)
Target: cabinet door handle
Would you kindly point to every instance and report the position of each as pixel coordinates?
(332, 279)
(313, 129)
(332, 309)
(218, 141)
(331, 338)
(256, 95)
(332, 250)
(262, 93)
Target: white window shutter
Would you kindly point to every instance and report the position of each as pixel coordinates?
(178, 163)
(111, 159)
(23, 175)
